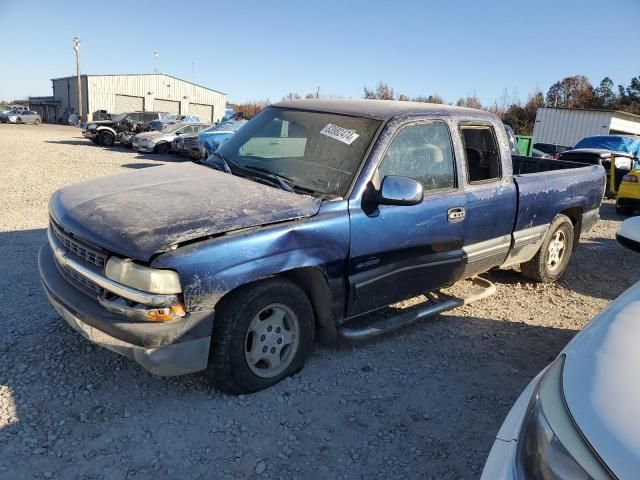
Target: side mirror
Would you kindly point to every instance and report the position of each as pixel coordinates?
(628, 234)
(397, 190)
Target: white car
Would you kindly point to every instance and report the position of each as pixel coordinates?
(160, 141)
(580, 417)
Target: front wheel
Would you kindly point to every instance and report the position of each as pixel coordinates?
(106, 139)
(36, 121)
(262, 334)
(552, 259)
(162, 148)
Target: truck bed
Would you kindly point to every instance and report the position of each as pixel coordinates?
(525, 165)
(546, 187)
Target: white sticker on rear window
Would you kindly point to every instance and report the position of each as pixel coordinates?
(338, 133)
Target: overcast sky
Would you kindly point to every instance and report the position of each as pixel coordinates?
(255, 50)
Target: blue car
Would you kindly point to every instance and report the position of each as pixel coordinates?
(213, 137)
(312, 215)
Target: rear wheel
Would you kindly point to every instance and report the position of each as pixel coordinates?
(552, 259)
(106, 139)
(162, 148)
(262, 334)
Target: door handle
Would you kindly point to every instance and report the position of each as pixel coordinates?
(456, 214)
(277, 142)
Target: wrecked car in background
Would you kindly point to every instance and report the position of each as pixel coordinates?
(313, 214)
(160, 141)
(105, 132)
(207, 141)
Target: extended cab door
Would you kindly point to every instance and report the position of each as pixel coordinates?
(398, 252)
(491, 197)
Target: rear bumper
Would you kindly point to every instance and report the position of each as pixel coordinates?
(172, 348)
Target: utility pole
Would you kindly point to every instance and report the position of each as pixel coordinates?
(76, 47)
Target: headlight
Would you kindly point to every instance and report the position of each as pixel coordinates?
(141, 277)
(92, 126)
(550, 446)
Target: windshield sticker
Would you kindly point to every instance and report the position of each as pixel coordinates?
(338, 133)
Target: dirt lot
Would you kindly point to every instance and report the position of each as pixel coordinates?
(422, 403)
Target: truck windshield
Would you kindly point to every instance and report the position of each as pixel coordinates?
(314, 152)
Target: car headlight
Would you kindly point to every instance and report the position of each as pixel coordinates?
(143, 278)
(92, 126)
(550, 446)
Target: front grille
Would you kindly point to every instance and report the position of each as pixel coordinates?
(84, 282)
(79, 248)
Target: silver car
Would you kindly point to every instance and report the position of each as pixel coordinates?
(160, 141)
(24, 116)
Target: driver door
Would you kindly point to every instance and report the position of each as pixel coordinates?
(398, 252)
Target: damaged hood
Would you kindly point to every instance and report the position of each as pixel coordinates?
(138, 214)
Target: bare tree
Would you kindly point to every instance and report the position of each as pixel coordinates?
(430, 99)
(470, 101)
(382, 92)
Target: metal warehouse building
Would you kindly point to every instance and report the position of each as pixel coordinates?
(155, 92)
(566, 126)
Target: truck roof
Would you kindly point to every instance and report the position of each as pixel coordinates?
(380, 109)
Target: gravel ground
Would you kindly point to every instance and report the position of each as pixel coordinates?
(425, 402)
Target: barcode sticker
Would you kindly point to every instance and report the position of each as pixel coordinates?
(338, 133)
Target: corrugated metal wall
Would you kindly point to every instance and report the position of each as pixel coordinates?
(566, 127)
(65, 90)
(103, 89)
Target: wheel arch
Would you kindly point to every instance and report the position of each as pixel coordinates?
(313, 281)
(575, 215)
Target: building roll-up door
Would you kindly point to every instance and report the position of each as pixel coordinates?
(167, 106)
(127, 103)
(205, 112)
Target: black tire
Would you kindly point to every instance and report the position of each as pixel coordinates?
(625, 211)
(19, 120)
(539, 268)
(228, 368)
(162, 148)
(107, 139)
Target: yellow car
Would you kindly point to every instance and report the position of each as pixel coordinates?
(629, 193)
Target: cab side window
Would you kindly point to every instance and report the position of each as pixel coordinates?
(481, 151)
(423, 152)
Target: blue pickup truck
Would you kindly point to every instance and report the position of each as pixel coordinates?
(312, 215)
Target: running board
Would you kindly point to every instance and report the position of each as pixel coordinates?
(438, 302)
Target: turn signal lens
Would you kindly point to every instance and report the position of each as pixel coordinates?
(630, 178)
(166, 314)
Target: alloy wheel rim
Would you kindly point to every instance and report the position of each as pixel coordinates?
(272, 340)
(556, 250)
